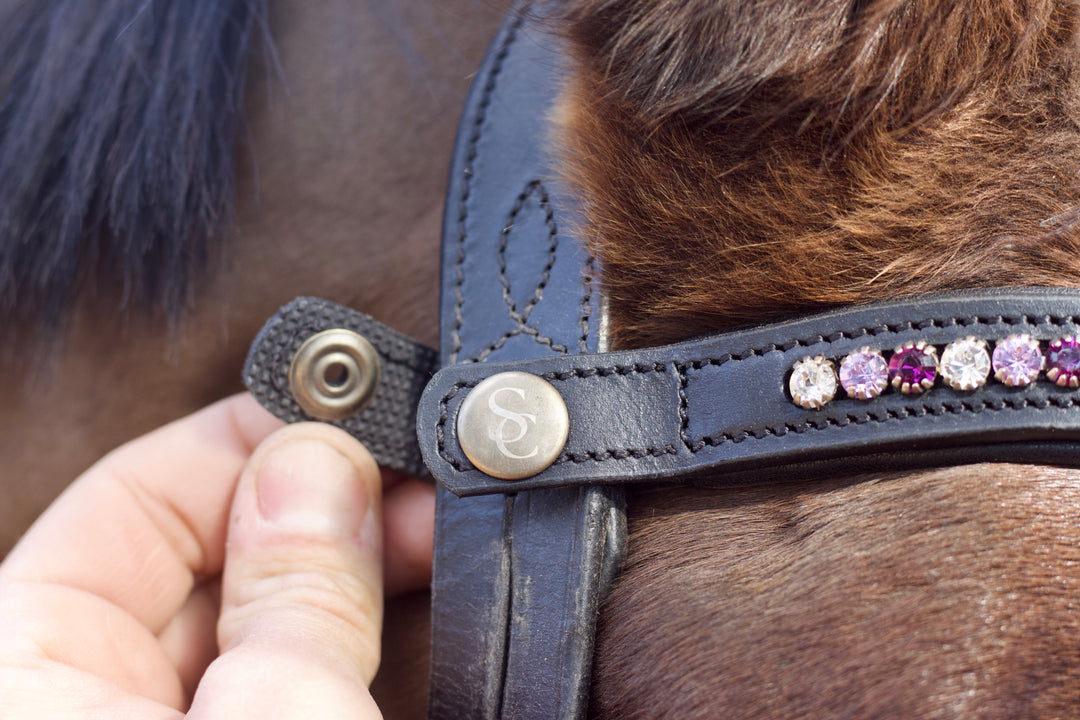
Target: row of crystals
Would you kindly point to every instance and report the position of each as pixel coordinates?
(914, 367)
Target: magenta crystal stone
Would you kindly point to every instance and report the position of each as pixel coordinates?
(1017, 360)
(864, 374)
(913, 367)
(1063, 362)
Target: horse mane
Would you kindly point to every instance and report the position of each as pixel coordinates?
(117, 130)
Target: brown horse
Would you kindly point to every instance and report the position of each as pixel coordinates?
(738, 161)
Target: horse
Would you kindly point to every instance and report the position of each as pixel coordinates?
(738, 162)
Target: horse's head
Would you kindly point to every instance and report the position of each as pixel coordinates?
(743, 161)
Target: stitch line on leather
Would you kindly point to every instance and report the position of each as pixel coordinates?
(536, 186)
(586, 303)
(444, 417)
(953, 407)
(696, 445)
(884, 329)
(466, 185)
(522, 330)
(576, 457)
(522, 318)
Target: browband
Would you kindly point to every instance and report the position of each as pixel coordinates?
(719, 408)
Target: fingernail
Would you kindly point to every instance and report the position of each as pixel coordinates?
(306, 486)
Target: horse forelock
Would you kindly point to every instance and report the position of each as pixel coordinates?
(745, 161)
(117, 129)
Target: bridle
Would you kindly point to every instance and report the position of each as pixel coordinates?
(522, 561)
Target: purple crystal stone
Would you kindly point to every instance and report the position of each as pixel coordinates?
(1063, 362)
(864, 374)
(913, 367)
(1017, 360)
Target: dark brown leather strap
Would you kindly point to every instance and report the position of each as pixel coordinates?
(518, 578)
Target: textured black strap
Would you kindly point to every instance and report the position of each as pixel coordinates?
(719, 408)
(387, 425)
(518, 578)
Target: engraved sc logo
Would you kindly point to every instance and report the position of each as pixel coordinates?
(520, 421)
(513, 425)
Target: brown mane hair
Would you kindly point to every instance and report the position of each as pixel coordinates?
(744, 160)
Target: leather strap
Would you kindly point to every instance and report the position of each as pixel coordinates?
(387, 425)
(717, 408)
(518, 578)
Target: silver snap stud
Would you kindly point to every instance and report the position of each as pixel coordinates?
(334, 373)
(513, 425)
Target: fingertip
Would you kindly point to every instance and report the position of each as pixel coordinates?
(303, 570)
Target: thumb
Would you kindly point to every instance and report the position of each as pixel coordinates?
(301, 611)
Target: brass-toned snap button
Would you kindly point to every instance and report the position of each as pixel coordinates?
(513, 425)
(334, 374)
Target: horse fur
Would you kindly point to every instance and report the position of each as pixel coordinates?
(744, 161)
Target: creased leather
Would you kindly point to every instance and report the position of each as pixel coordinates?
(518, 578)
(717, 409)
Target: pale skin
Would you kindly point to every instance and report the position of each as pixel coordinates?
(221, 566)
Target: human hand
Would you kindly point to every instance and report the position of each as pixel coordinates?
(186, 573)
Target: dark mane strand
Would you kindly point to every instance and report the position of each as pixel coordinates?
(117, 128)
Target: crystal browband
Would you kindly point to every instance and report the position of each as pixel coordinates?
(914, 367)
(720, 410)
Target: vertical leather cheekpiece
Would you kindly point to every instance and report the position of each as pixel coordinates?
(518, 577)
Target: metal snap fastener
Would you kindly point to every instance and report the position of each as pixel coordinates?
(513, 425)
(333, 374)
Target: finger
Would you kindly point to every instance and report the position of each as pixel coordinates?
(122, 548)
(409, 520)
(189, 641)
(302, 590)
(140, 526)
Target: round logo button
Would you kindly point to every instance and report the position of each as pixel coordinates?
(513, 425)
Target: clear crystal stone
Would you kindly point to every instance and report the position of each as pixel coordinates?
(864, 374)
(965, 364)
(813, 382)
(1017, 360)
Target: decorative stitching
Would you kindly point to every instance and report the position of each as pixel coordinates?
(594, 455)
(466, 185)
(444, 416)
(956, 407)
(878, 415)
(892, 414)
(504, 241)
(522, 318)
(586, 304)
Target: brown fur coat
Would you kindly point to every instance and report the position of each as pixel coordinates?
(743, 160)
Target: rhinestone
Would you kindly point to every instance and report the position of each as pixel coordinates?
(1063, 362)
(1017, 360)
(813, 382)
(864, 374)
(965, 364)
(913, 367)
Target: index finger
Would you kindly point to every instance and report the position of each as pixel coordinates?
(143, 524)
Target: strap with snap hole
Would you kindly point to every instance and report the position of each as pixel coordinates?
(309, 363)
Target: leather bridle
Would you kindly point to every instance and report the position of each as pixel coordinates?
(521, 565)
